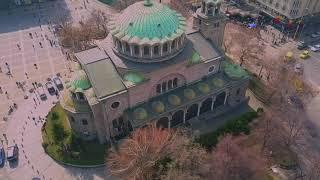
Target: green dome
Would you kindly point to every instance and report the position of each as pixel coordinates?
(174, 100)
(234, 71)
(134, 77)
(80, 80)
(140, 114)
(158, 106)
(148, 21)
(203, 87)
(189, 94)
(217, 82)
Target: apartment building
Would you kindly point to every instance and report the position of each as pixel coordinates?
(290, 9)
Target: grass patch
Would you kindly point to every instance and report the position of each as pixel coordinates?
(63, 145)
(234, 126)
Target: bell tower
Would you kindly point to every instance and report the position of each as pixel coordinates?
(210, 21)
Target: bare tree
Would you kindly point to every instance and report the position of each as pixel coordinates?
(136, 156)
(229, 161)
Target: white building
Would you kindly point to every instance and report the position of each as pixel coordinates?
(291, 9)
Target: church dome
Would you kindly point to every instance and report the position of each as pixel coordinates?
(148, 32)
(80, 81)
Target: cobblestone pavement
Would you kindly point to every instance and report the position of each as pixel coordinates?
(30, 51)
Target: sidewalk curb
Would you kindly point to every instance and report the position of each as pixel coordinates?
(74, 165)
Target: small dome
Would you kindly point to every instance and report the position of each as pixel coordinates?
(189, 94)
(203, 87)
(217, 82)
(195, 59)
(140, 114)
(158, 106)
(174, 100)
(80, 80)
(134, 77)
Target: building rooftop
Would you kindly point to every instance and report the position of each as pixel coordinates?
(90, 55)
(104, 78)
(196, 43)
(179, 97)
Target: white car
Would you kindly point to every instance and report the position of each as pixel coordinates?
(317, 46)
(57, 81)
(298, 68)
(314, 48)
(315, 35)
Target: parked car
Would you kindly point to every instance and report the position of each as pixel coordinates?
(12, 153)
(314, 48)
(315, 35)
(42, 94)
(298, 68)
(317, 46)
(305, 55)
(2, 155)
(50, 88)
(302, 45)
(57, 81)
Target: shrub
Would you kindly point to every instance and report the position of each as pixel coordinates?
(235, 126)
(54, 116)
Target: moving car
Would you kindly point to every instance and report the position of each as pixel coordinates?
(57, 81)
(12, 153)
(50, 88)
(2, 156)
(304, 55)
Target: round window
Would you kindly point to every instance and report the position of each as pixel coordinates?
(115, 105)
(211, 69)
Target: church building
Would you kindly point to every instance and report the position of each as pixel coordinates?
(153, 67)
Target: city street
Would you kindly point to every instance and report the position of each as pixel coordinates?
(30, 53)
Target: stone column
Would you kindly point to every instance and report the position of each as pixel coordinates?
(213, 100)
(225, 99)
(199, 106)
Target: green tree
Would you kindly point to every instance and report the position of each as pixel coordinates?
(59, 132)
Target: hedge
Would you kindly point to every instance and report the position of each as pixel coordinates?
(234, 126)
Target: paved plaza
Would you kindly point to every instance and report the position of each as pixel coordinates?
(29, 52)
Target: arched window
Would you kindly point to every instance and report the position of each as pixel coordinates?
(158, 88)
(173, 45)
(84, 122)
(146, 50)
(127, 47)
(165, 48)
(210, 11)
(136, 50)
(238, 91)
(164, 86)
(203, 6)
(175, 82)
(170, 84)
(156, 50)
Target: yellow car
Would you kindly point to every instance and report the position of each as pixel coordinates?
(305, 55)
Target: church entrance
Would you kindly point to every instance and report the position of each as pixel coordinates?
(219, 100)
(192, 112)
(206, 106)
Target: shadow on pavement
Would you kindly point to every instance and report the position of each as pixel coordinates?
(14, 164)
(34, 15)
